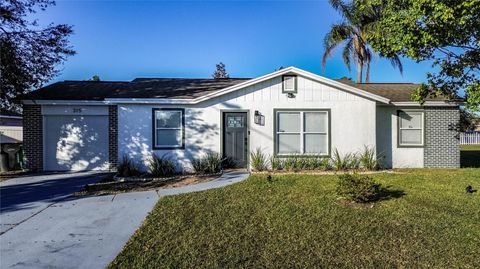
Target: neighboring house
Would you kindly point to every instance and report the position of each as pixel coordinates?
(10, 127)
(78, 125)
(11, 136)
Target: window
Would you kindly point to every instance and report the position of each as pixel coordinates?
(289, 84)
(168, 128)
(302, 132)
(410, 128)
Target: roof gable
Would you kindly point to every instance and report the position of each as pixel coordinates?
(250, 82)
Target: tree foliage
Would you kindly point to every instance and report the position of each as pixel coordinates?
(353, 33)
(29, 53)
(467, 121)
(445, 32)
(220, 71)
(95, 78)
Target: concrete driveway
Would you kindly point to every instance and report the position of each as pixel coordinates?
(43, 226)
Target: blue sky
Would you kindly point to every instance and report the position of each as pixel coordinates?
(122, 40)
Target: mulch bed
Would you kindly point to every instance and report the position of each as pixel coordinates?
(144, 184)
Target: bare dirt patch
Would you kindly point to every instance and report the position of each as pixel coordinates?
(113, 187)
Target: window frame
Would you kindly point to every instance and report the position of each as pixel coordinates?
(154, 128)
(295, 84)
(302, 132)
(399, 122)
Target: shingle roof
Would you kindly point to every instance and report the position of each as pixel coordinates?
(184, 88)
(177, 88)
(396, 92)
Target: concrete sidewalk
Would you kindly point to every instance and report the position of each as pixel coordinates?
(70, 232)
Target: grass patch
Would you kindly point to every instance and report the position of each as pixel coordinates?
(295, 221)
(470, 155)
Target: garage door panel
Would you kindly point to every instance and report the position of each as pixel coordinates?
(76, 142)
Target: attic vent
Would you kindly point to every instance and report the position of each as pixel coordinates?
(289, 84)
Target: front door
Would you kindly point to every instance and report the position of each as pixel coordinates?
(235, 137)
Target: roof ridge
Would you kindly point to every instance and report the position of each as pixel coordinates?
(101, 81)
(186, 78)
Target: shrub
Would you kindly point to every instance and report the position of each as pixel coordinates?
(325, 164)
(368, 159)
(214, 163)
(290, 163)
(276, 163)
(358, 188)
(229, 162)
(160, 166)
(258, 160)
(128, 168)
(316, 163)
(348, 161)
(199, 165)
(209, 164)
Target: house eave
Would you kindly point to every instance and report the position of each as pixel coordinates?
(65, 102)
(427, 103)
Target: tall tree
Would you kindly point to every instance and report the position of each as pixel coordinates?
(95, 78)
(353, 33)
(220, 71)
(29, 53)
(445, 32)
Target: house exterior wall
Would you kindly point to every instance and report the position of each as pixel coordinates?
(442, 147)
(33, 136)
(352, 120)
(391, 154)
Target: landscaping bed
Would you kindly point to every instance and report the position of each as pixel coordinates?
(143, 184)
(298, 221)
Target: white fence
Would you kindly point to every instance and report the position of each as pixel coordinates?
(469, 138)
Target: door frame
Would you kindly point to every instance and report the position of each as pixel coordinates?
(222, 129)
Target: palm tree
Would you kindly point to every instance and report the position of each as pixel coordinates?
(353, 32)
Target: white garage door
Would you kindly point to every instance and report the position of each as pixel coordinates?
(75, 142)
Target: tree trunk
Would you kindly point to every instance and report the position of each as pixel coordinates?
(359, 71)
(367, 73)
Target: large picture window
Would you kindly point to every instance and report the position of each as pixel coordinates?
(168, 128)
(410, 128)
(302, 132)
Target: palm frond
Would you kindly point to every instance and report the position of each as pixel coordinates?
(346, 10)
(347, 52)
(338, 33)
(396, 63)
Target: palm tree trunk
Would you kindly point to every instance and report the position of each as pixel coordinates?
(359, 71)
(367, 72)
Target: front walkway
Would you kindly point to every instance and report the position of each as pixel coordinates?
(45, 227)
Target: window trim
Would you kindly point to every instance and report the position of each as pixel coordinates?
(406, 111)
(302, 133)
(154, 128)
(295, 84)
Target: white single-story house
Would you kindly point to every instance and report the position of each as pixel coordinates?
(84, 125)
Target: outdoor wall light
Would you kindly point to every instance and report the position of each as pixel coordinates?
(259, 118)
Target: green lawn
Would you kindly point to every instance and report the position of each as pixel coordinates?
(470, 155)
(296, 222)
